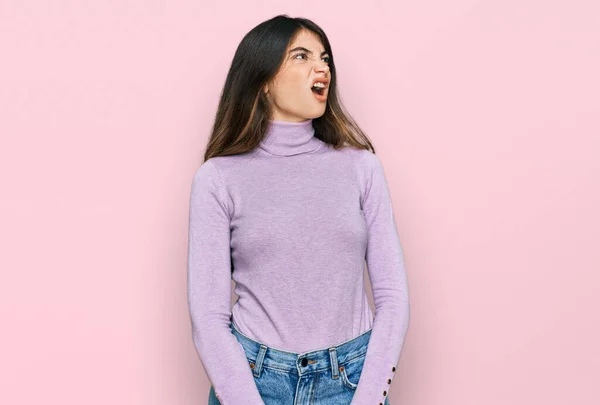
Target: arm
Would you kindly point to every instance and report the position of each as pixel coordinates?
(209, 291)
(387, 273)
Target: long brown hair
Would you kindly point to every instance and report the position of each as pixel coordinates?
(244, 111)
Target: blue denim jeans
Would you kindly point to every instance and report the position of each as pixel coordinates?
(322, 377)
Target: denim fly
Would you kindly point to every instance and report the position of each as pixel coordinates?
(322, 377)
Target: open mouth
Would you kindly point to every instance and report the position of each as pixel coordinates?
(318, 90)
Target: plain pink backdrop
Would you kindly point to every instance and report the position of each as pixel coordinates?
(486, 115)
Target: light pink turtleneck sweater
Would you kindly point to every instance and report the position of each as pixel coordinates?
(296, 220)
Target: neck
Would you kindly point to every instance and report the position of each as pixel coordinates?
(285, 138)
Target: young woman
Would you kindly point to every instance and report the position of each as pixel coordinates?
(289, 202)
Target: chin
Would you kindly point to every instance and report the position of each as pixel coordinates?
(319, 113)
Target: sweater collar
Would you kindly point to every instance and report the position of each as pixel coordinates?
(285, 138)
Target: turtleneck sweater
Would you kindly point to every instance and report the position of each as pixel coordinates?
(293, 222)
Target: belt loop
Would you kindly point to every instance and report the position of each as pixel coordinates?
(334, 363)
(259, 360)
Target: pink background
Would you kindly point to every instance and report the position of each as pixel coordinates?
(484, 113)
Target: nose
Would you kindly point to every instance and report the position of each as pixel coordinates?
(323, 67)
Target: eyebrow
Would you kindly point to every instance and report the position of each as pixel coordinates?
(301, 48)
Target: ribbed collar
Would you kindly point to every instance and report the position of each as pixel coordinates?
(286, 138)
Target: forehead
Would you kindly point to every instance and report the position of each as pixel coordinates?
(307, 39)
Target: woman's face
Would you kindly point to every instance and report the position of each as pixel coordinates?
(290, 90)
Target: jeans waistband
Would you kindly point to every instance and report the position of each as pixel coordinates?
(302, 363)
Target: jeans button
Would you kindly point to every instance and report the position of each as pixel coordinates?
(304, 362)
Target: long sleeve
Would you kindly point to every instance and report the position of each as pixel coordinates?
(387, 273)
(209, 290)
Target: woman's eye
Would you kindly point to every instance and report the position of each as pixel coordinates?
(326, 58)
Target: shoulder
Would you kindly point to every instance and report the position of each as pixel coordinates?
(215, 168)
(210, 175)
(208, 186)
(207, 172)
(363, 160)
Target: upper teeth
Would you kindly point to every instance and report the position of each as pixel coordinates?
(319, 84)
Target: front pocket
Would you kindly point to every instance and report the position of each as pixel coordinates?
(345, 380)
(351, 370)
